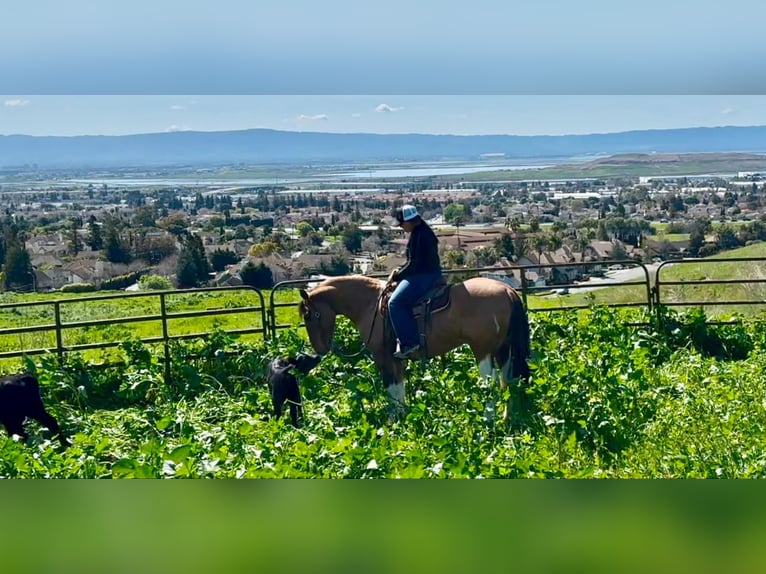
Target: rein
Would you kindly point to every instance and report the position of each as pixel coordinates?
(364, 348)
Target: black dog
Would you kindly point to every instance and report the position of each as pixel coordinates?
(284, 386)
(19, 399)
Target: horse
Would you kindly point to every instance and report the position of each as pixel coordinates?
(486, 314)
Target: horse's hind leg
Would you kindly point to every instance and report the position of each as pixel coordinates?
(488, 377)
(510, 377)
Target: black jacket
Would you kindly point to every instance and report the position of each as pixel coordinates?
(422, 253)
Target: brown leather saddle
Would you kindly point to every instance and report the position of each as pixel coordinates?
(437, 299)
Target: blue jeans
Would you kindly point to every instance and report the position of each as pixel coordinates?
(400, 306)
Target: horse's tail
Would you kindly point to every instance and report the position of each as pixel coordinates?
(514, 352)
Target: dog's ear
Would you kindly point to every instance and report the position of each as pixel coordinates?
(304, 295)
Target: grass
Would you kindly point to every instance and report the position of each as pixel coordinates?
(604, 171)
(705, 269)
(37, 313)
(673, 236)
(603, 401)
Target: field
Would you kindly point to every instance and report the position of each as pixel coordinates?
(626, 166)
(605, 400)
(674, 397)
(745, 283)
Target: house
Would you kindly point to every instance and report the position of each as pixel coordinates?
(49, 279)
(80, 271)
(387, 263)
(228, 278)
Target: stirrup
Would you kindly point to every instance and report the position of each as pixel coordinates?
(407, 353)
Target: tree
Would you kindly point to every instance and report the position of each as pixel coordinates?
(540, 244)
(74, 225)
(337, 266)
(194, 243)
(726, 237)
(454, 258)
(520, 246)
(259, 276)
(18, 268)
(352, 238)
(618, 251)
(145, 216)
(186, 270)
(504, 245)
(454, 213)
(94, 239)
(114, 249)
(193, 266)
(154, 283)
(220, 258)
(304, 229)
(485, 256)
(696, 241)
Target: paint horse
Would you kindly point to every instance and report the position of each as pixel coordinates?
(486, 314)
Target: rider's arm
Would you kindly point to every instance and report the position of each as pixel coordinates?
(413, 256)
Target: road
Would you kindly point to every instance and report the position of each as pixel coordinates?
(617, 276)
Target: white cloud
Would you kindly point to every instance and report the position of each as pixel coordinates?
(177, 107)
(387, 108)
(175, 128)
(16, 103)
(315, 117)
(727, 111)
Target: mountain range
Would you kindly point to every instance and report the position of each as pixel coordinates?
(265, 146)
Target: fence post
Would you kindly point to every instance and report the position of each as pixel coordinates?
(59, 336)
(523, 286)
(165, 341)
(656, 294)
(272, 315)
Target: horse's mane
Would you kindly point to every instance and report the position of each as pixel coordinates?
(332, 285)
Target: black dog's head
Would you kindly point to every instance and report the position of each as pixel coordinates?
(304, 362)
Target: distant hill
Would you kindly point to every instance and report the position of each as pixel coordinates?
(261, 146)
(667, 158)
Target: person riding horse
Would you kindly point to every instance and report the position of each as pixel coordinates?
(414, 279)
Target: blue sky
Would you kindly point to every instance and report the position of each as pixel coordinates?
(467, 114)
(388, 47)
(458, 66)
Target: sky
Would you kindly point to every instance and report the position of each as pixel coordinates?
(387, 47)
(456, 66)
(66, 115)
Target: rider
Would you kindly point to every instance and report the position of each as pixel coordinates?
(415, 278)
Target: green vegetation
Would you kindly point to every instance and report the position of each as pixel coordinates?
(111, 309)
(625, 169)
(751, 291)
(678, 398)
(605, 400)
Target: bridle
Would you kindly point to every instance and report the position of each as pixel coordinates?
(365, 347)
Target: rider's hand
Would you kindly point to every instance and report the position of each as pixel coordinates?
(392, 276)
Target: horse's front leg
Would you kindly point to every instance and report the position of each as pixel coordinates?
(392, 372)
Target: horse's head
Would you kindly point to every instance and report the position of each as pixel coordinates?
(319, 318)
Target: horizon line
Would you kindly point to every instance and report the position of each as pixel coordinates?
(190, 131)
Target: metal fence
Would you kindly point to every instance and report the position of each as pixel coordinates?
(55, 326)
(691, 287)
(268, 323)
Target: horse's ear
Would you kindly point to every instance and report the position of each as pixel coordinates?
(304, 295)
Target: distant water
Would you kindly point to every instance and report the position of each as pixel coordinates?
(314, 178)
(425, 171)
